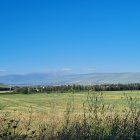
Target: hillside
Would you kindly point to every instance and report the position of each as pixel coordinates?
(3, 86)
(62, 79)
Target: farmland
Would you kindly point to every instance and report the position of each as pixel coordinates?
(107, 115)
(42, 103)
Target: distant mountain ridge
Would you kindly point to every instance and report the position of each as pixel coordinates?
(59, 78)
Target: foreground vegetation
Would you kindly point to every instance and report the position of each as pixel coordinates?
(74, 116)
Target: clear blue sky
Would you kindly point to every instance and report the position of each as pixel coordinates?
(81, 35)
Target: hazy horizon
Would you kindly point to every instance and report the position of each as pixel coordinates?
(65, 73)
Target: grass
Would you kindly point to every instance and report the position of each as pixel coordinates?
(95, 116)
(42, 104)
(3, 86)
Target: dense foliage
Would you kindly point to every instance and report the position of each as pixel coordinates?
(76, 88)
(4, 89)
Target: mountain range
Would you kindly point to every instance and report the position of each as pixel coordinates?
(59, 78)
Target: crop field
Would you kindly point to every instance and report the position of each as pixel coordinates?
(44, 104)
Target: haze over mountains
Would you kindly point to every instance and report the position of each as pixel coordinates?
(60, 78)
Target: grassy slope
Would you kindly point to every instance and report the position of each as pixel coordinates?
(3, 86)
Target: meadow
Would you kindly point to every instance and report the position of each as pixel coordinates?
(42, 104)
(108, 115)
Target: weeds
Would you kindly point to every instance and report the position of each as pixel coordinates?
(99, 121)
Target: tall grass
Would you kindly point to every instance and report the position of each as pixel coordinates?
(99, 121)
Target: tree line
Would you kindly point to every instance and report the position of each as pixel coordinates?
(76, 88)
(5, 89)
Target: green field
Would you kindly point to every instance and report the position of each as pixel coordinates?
(61, 116)
(44, 104)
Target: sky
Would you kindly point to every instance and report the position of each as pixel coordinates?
(79, 36)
